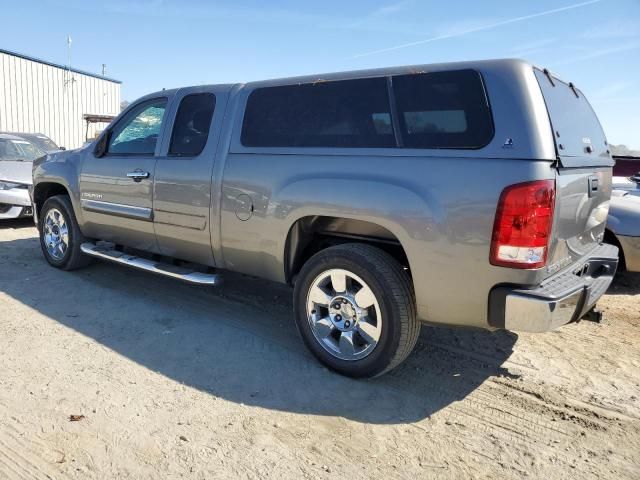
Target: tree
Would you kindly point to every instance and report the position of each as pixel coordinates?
(623, 150)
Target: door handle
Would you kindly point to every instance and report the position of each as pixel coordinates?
(593, 186)
(138, 175)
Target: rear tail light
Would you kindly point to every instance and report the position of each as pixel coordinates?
(522, 227)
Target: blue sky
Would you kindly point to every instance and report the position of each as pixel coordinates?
(151, 44)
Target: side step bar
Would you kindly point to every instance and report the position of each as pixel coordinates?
(185, 274)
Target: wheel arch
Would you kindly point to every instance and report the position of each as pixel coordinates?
(310, 234)
(355, 207)
(45, 190)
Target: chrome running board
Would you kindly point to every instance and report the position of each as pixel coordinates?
(181, 273)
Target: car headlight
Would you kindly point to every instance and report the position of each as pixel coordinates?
(9, 186)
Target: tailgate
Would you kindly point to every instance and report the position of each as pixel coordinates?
(583, 173)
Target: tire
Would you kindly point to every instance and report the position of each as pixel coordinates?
(56, 218)
(382, 335)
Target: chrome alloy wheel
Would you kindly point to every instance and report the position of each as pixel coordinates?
(56, 234)
(344, 314)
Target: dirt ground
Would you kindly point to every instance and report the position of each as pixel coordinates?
(178, 381)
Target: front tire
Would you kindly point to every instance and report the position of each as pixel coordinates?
(354, 307)
(60, 236)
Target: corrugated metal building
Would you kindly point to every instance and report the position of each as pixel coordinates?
(37, 96)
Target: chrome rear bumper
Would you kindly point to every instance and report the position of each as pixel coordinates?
(563, 298)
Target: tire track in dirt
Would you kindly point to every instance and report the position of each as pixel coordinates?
(19, 458)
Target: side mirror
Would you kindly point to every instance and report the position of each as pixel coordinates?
(62, 148)
(101, 145)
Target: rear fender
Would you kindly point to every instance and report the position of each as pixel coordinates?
(412, 217)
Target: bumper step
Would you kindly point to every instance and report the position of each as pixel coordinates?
(562, 298)
(180, 273)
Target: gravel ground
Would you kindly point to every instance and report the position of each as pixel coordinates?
(113, 373)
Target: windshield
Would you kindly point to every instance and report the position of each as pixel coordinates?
(43, 143)
(18, 150)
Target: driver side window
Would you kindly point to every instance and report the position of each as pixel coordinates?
(138, 132)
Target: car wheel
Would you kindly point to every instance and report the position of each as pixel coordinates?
(60, 236)
(354, 307)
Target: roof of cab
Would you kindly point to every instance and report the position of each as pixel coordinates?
(400, 70)
(172, 91)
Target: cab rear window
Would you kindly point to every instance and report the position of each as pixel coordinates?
(423, 110)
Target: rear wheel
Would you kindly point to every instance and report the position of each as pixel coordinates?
(60, 236)
(355, 309)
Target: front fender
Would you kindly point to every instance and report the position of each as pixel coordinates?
(60, 168)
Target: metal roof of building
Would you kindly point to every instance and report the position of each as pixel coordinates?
(57, 65)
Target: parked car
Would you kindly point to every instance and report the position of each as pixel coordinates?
(40, 140)
(623, 228)
(16, 156)
(628, 184)
(626, 165)
(357, 189)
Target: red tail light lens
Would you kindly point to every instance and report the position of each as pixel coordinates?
(523, 225)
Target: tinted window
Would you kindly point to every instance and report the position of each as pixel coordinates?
(443, 110)
(350, 113)
(138, 132)
(382, 123)
(577, 128)
(191, 128)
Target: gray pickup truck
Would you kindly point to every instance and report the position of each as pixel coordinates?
(465, 194)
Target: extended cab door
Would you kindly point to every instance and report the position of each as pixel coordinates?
(183, 180)
(116, 185)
